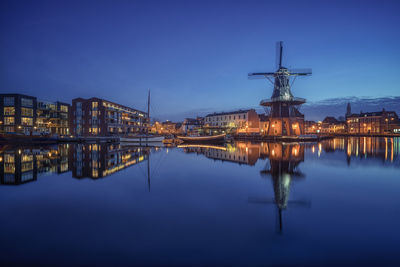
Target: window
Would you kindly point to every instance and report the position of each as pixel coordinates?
(9, 129)
(95, 105)
(9, 120)
(26, 102)
(26, 121)
(64, 108)
(9, 111)
(9, 101)
(27, 112)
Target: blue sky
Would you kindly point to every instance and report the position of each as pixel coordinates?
(195, 55)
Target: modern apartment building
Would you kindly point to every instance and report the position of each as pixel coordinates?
(53, 117)
(17, 113)
(99, 117)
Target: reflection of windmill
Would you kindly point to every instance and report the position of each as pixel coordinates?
(284, 116)
(283, 169)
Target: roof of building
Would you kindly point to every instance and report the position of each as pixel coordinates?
(229, 113)
(105, 100)
(330, 120)
(372, 114)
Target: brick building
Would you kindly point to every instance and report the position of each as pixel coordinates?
(99, 117)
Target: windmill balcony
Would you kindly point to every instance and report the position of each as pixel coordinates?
(292, 100)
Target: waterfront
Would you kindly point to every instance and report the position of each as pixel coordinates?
(331, 202)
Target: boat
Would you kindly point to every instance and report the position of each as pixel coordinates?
(143, 138)
(203, 139)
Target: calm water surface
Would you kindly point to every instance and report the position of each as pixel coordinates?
(332, 202)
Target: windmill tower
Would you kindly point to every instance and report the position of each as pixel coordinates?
(282, 108)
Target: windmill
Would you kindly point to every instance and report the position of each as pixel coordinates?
(283, 108)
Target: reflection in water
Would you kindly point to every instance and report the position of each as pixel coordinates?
(19, 165)
(387, 150)
(282, 167)
(22, 164)
(101, 160)
(284, 159)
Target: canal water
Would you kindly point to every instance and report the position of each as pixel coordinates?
(333, 202)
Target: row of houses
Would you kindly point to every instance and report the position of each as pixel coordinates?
(27, 115)
(249, 122)
(382, 122)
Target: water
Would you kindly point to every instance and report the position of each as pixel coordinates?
(332, 202)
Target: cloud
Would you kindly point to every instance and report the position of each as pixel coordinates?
(337, 106)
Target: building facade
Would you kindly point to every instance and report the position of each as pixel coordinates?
(372, 122)
(53, 117)
(99, 117)
(240, 121)
(17, 113)
(331, 125)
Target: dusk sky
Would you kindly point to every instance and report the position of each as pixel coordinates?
(195, 55)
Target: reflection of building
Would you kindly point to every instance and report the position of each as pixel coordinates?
(241, 121)
(23, 164)
(99, 117)
(373, 122)
(52, 117)
(17, 113)
(101, 160)
(365, 150)
(241, 153)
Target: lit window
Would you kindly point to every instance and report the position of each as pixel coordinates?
(26, 121)
(9, 120)
(26, 112)
(9, 111)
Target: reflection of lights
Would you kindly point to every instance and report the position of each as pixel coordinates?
(19, 151)
(273, 152)
(313, 149)
(319, 149)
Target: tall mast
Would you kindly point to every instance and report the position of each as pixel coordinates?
(148, 112)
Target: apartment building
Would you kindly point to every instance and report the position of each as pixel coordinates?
(17, 113)
(100, 117)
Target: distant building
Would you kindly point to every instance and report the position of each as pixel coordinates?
(53, 117)
(166, 127)
(312, 127)
(332, 125)
(240, 121)
(190, 125)
(17, 113)
(99, 117)
(348, 110)
(373, 122)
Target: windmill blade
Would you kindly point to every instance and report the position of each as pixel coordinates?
(263, 74)
(300, 72)
(279, 54)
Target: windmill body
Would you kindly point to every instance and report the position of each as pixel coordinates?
(284, 117)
